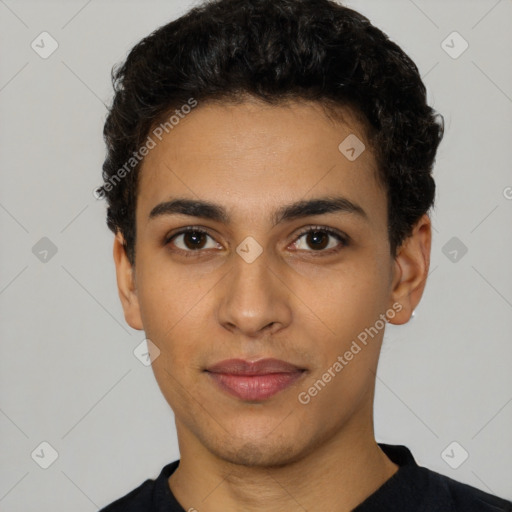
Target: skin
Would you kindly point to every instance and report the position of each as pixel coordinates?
(295, 302)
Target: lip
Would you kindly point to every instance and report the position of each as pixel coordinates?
(254, 380)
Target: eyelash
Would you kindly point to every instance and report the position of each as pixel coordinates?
(341, 237)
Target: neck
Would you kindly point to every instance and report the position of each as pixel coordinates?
(337, 476)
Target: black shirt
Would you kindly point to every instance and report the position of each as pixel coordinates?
(411, 489)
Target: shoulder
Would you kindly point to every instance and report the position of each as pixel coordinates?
(135, 501)
(418, 488)
(150, 495)
(464, 497)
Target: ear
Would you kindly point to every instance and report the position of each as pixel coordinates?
(411, 267)
(126, 284)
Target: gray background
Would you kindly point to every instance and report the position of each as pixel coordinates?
(68, 373)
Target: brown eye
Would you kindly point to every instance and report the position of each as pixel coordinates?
(192, 240)
(320, 239)
(317, 240)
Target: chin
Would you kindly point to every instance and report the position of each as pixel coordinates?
(257, 454)
(260, 444)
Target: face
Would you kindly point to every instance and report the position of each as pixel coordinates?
(286, 257)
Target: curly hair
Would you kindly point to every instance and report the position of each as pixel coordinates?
(276, 51)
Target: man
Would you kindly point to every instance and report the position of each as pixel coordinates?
(268, 178)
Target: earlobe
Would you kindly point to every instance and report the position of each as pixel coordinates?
(411, 270)
(126, 284)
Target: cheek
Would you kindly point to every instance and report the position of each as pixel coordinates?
(173, 319)
(346, 333)
(175, 311)
(165, 292)
(341, 302)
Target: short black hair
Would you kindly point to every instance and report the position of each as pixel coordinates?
(276, 51)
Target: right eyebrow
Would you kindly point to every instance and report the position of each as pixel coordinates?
(192, 208)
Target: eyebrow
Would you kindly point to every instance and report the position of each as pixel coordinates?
(299, 209)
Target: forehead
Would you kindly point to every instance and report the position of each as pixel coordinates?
(254, 156)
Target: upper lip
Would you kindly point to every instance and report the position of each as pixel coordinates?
(260, 367)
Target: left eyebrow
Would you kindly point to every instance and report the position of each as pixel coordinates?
(320, 206)
(299, 209)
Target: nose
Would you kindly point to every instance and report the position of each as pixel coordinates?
(254, 300)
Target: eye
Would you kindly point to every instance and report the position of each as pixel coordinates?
(317, 239)
(321, 239)
(192, 239)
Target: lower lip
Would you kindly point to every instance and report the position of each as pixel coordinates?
(255, 387)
